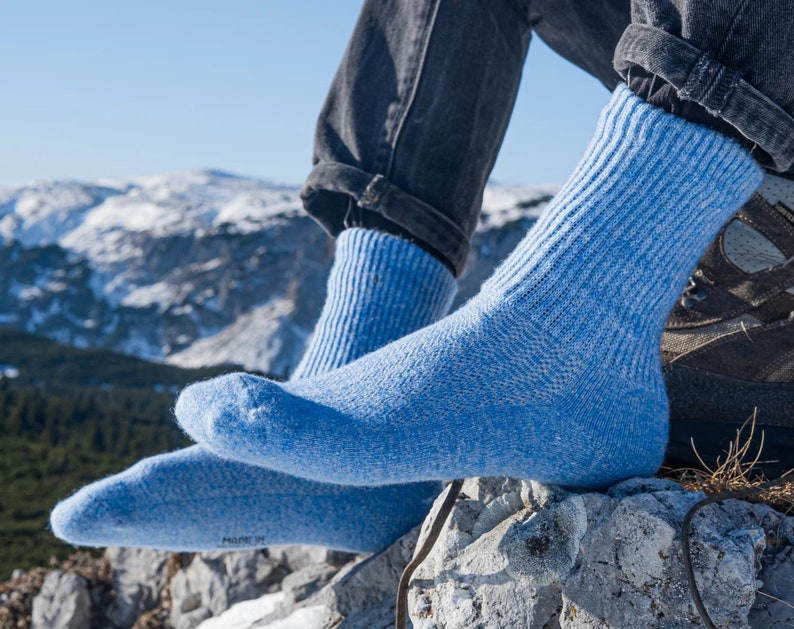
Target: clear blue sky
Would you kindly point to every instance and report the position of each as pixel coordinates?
(92, 88)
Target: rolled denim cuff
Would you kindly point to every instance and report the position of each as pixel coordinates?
(331, 185)
(697, 77)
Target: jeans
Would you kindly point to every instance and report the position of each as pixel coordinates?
(417, 111)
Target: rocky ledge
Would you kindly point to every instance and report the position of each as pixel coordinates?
(512, 554)
(520, 554)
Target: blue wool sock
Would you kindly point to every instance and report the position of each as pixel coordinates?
(380, 288)
(552, 372)
(191, 500)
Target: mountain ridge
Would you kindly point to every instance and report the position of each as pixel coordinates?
(190, 267)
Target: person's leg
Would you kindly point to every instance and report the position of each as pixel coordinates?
(553, 372)
(585, 32)
(415, 117)
(724, 64)
(403, 72)
(193, 500)
(727, 348)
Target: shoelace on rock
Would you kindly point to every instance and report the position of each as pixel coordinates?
(686, 530)
(424, 551)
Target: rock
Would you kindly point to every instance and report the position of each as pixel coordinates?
(139, 575)
(301, 584)
(251, 573)
(361, 594)
(194, 618)
(512, 554)
(776, 581)
(479, 588)
(62, 603)
(215, 581)
(294, 558)
(519, 554)
(192, 586)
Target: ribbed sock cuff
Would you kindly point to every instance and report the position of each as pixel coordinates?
(626, 229)
(380, 288)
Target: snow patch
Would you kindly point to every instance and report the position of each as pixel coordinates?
(504, 204)
(40, 213)
(164, 295)
(243, 615)
(250, 614)
(9, 371)
(260, 340)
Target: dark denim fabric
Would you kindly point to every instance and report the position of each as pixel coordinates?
(416, 115)
(418, 109)
(728, 64)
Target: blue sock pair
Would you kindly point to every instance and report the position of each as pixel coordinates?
(552, 372)
(380, 288)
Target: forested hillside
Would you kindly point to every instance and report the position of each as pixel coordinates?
(67, 417)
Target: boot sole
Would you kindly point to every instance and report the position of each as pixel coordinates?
(708, 409)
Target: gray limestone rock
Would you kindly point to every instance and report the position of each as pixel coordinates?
(465, 582)
(62, 603)
(301, 584)
(294, 558)
(216, 581)
(250, 573)
(361, 594)
(518, 554)
(193, 618)
(772, 608)
(138, 580)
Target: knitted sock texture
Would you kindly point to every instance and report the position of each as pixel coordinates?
(190, 500)
(380, 288)
(552, 372)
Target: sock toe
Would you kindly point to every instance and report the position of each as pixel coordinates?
(233, 414)
(96, 515)
(210, 411)
(191, 500)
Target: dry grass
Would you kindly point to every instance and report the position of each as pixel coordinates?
(16, 594)
(16, 598)
(740, 469)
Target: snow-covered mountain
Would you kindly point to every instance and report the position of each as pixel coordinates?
(195, 268)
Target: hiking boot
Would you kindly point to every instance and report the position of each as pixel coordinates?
(728, 347)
